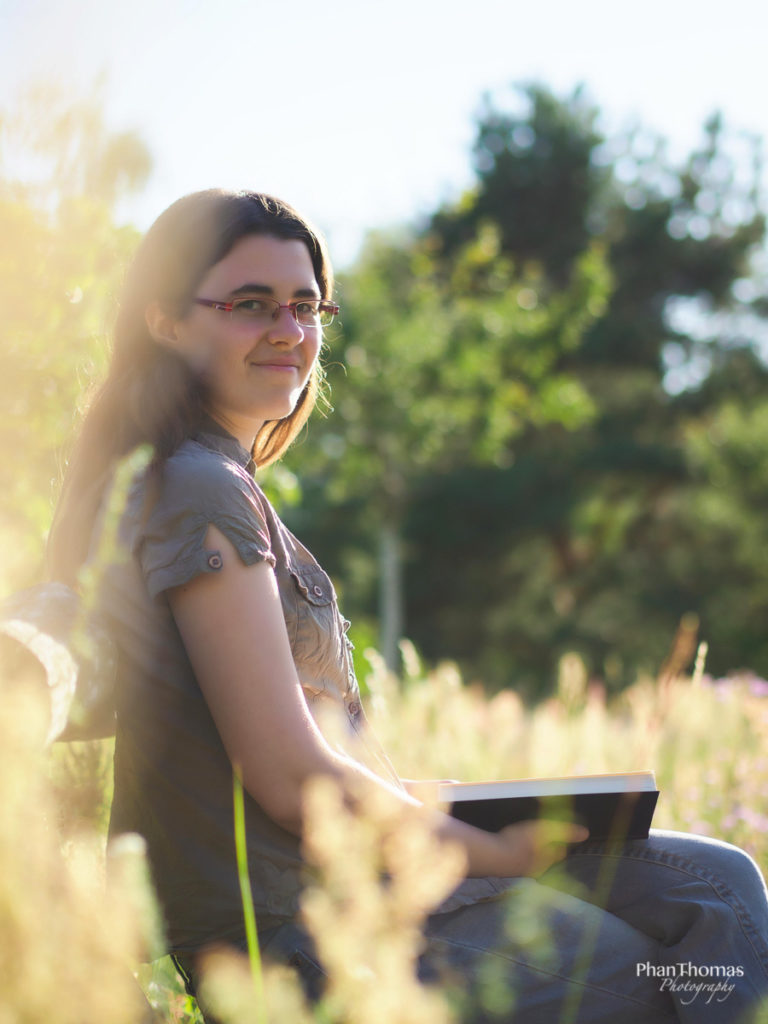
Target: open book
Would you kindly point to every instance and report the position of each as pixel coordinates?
(617, 806)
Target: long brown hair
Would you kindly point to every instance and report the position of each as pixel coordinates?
(150, 395)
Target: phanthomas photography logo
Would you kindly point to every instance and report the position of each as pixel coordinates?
(691, 981)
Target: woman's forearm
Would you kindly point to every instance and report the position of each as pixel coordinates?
(285, 800)
(523, 849)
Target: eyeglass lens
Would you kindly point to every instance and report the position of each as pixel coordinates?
(309, 313)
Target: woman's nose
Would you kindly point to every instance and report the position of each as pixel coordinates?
(285, 327)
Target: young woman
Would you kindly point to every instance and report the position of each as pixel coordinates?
(231, 645)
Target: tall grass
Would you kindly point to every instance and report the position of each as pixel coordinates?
(707, 740)
(73, 944)
(68, 939)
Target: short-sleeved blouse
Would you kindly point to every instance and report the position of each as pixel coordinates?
(173, 779)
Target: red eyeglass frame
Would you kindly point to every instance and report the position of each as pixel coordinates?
(226, 307)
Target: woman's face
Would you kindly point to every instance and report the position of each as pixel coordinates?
(254, 371)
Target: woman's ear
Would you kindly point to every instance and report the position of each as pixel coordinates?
(161, 325)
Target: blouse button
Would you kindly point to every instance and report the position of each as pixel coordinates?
(317, 591)
(215, 561)
(353, 708)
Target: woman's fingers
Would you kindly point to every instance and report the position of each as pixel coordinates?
(562, 831)
(535, 846)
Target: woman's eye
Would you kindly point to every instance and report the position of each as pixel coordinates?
(308, 308)
(252, 307)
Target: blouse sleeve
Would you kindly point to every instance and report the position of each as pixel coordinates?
(201, 488)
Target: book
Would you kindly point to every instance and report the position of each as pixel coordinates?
(617, 806)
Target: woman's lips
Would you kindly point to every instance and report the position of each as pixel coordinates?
(278, 367)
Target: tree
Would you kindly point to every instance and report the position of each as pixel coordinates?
(577, 552)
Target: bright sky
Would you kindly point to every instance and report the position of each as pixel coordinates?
(360, 112)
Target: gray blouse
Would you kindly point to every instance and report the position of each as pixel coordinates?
(173, 779)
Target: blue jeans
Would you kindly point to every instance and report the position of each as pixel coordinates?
(673, 928)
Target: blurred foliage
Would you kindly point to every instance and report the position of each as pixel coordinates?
(61, 260)
(440, 373)
(597, 484)
(68, 941)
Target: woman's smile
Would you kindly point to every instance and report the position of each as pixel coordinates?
(275, 364)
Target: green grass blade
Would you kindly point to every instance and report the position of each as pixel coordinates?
(251, 934)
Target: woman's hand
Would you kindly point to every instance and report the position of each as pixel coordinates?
(526, 848)
(534, 846)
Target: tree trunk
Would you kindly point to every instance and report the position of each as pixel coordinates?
(390, 594)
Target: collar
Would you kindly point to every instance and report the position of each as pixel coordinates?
(213, 436)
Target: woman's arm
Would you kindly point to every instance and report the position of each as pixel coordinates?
(234, 632)
(232, 626)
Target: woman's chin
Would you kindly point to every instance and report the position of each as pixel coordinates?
(250, 421)
(278, 412)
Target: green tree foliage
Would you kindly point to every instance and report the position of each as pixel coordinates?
(536, 182)
(442, 373)
(61, 258)
(594, 539)
(719, 552)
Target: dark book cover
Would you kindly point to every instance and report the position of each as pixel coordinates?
(611, 813)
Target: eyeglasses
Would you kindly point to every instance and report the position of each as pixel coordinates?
(306, 312)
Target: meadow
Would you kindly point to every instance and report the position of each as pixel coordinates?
(73, 944)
